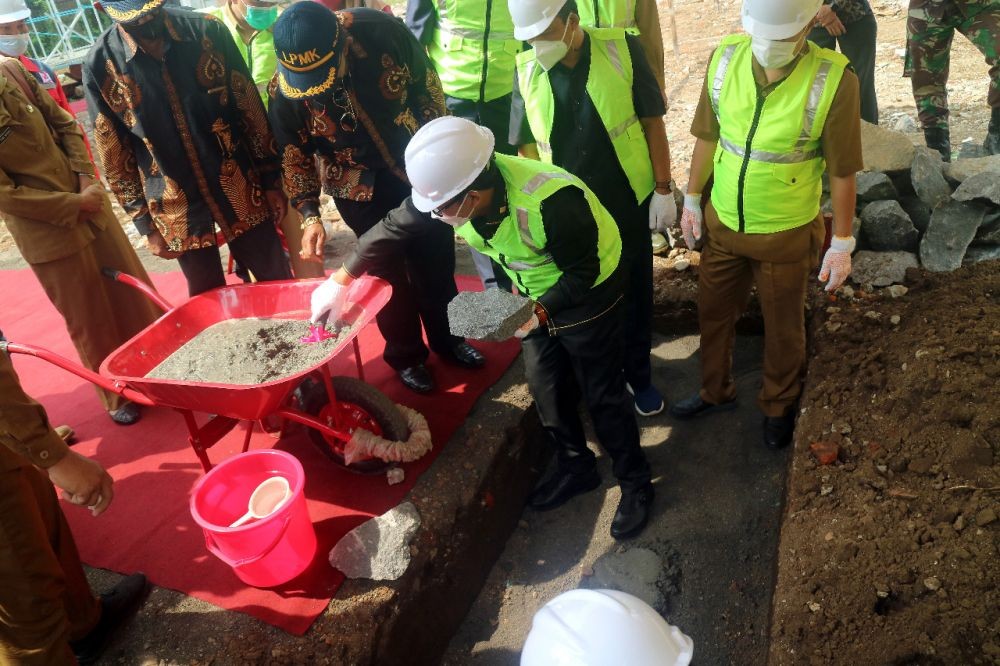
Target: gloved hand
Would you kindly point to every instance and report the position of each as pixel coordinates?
(837, 262)
(327, 300)
(527, 327)
(662, 212)
(691, 220)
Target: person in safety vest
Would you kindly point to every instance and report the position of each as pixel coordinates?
(636, 17)
(249, 22)
(561, 248)
(775, 112)
(472, 46)
(586, 101)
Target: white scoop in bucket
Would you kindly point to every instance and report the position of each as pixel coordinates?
(265, 499)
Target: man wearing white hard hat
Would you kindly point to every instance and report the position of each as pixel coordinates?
(561, 248)
(776, 112)
(587, 101)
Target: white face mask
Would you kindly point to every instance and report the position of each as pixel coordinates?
(772, 54)
(455, 220)
(14, 45)
(548, 52)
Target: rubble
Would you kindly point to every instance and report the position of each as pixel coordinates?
(885, 150)
(378, 548)
(952, 228)
(984, 185)
(882, 269)
(887, 227)
(874, 185)
(927, 175)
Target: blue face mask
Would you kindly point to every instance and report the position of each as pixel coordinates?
(261, 18)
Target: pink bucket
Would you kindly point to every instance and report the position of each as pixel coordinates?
(265, 552)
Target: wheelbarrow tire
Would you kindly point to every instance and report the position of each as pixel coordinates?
(374, 403)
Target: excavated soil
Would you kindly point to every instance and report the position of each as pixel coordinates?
(889, 554)
(246, 351)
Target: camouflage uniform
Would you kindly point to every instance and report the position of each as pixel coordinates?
(929, 29)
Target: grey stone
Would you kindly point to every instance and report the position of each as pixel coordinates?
(969, 148)
(902, 122)
(984, 185)
(989, 231)
(959, 170)
(919, 212)
(952, 228)
(977, 253)
(378, 548)
(885, 150)
(886, 227)
(873, 186)
(635, 571)
(927, 175)
(493, 314)
(881, 269)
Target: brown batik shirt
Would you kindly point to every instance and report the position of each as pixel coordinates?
(390, 88)
(184, 141)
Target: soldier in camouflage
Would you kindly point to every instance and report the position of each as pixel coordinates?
(930, 28)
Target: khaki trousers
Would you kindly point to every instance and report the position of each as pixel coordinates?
(100, 314)
(291, 227)
(45, 599)
(779, 264)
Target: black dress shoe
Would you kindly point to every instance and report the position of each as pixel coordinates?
(126, 415)
(465, 355)
(688, 408)
(778, 430)
(560, 488)
(416, 378)
(633, 512)
(117, 607)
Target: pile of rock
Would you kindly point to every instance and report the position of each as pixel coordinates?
(916, 210)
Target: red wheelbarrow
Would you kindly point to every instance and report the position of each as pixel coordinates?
(331, 407)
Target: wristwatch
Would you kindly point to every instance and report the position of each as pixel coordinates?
(311, 220)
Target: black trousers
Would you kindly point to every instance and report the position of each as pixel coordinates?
(422, 278)
(586, 363)
(858, 44)
(258, 250)
(637, 274)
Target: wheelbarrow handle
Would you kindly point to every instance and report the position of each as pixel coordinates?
(135, 283)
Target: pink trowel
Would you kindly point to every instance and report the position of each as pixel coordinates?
(317, 331)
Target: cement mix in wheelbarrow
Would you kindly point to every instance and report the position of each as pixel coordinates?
(247, 351)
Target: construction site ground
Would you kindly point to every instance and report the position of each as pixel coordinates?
(886, 556)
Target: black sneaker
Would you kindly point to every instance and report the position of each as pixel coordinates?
(117, 607)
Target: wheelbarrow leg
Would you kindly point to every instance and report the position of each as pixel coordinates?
(357, 359)
(246, 437)
(194, 439)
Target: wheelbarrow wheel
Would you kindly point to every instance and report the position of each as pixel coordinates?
(360, 405)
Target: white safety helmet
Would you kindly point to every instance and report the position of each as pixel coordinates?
(13, 10)
(444, 157)
(533, 17)
(603, 628)
(778, 19)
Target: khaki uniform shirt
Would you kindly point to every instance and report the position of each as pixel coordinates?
(39, 177)
(24, 428)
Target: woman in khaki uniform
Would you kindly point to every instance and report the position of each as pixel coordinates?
(63, 225)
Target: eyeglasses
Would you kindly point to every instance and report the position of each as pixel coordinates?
(342, 100)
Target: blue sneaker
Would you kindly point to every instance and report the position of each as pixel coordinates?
(648, 401)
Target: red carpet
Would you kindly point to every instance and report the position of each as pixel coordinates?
(148, 527)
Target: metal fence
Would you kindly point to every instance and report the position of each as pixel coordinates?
(63, 34)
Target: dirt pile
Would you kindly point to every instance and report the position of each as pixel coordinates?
(888, 555)
(246, 351)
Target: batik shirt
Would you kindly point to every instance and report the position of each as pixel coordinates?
(184, 142)
(389, 91)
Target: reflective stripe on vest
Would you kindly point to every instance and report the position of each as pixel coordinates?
(609, 86)
(473, 48)
(519, 243)
(608, 14)
(769, 161)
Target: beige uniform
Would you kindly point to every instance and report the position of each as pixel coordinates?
(41, 156)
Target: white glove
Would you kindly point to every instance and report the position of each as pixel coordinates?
(327, 300)
(662, 212)
(691, 220)
(837, 262)
(527, 327)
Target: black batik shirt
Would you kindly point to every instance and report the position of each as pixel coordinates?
(390, 91)
(184, 142)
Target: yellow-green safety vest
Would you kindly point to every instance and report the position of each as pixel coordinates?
(519, 244)
(473, 48)
(258, 54)
(608, 14)
(769, 162)
(609, 86)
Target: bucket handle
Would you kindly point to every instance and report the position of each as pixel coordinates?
(235, 564)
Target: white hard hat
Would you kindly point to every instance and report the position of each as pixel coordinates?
(533, 17)
(13, 10)
(444, 157)
(603, 628)
(778, 19)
